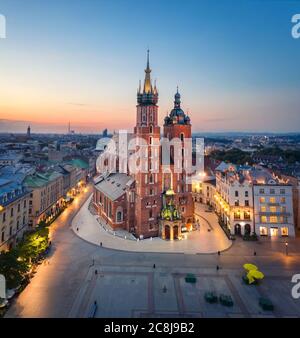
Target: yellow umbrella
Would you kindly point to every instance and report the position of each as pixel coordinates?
(250, 278)
(250, 267)
(256, 274)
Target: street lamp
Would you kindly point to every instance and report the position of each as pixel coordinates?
(287, 248)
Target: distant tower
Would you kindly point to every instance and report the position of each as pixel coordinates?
(28, 132)
(69, 128)
(105, 133)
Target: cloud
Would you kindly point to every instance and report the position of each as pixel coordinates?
(78, 104)
(13, 121)
(217, 120)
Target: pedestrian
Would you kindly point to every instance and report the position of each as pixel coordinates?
(101, 244)
(254, 253)
(219, 253)
(96, 272)
(154, 266)
(77, 229)
(217, 267)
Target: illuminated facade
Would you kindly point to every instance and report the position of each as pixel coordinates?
(14, 201)
(251, 200)
(142, 200)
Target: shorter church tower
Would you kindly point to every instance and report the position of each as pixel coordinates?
(177, 126)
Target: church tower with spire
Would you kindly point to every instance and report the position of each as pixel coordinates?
(148, 178)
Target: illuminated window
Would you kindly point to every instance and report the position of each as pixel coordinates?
(247, 215)
(262, 200)
(272, 200)
(263, 209)
(274, 232)
(273, 219)
(263, 219)
(273, 209)
(263, 231)
(282, 200)
(237, 215)
(284, 231)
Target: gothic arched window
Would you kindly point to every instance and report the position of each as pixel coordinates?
(119, 215)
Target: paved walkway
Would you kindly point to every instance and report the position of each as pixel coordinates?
(209, 239)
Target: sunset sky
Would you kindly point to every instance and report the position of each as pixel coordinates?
(235, 62)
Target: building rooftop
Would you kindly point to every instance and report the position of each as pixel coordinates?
(79, 163)
(10, 190)
(114, 185)
(41, 179)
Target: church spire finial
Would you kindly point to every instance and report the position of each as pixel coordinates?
(148, 58)
(148, 84)
(177, 99)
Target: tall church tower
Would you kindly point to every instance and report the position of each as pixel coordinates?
(148, 177)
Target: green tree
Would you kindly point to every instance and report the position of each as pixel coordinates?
(34, 244)
(12, 268)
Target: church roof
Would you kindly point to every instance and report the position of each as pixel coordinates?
(114, 185)
(177, 115)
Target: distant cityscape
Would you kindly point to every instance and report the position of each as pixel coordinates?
(30, 162)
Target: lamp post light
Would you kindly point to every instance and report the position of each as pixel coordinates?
(286, 248)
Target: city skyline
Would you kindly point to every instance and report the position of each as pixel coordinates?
(227, 70)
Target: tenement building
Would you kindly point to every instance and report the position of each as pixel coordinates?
(14, 201)
(156, 199)
(251, 200)
(46, 197)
